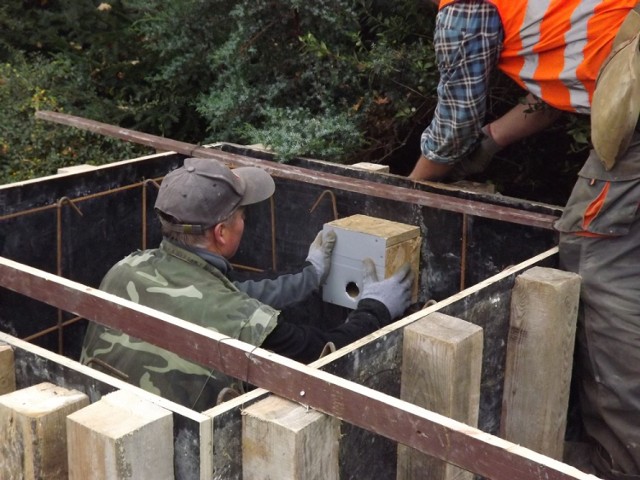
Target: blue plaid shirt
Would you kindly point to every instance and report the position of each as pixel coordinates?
(468, 40)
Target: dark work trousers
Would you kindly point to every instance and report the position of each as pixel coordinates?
(608, 336)
(608, 343)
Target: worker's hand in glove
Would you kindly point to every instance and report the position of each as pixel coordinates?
(320, 254)
(478, 160)
(394, 292)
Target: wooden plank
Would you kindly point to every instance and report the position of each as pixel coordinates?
(441, 368)
(372, 167)
(7, 370)
(544, 309)
(395, 419)
(387, 231)
(120, 437)
(374, 189)
(282, 439)
(33, 431)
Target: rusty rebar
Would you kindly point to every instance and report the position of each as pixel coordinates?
(334, 203)
(59, 204)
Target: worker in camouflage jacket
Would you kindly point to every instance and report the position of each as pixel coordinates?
(579, 56)
(201, 209)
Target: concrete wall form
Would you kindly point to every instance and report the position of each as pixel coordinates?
(75, 226)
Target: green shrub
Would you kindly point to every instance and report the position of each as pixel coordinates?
(32, 148)
(339, 80)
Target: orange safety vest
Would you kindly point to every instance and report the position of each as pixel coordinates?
(554, 48)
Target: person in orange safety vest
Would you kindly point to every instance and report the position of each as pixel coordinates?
(578, 56)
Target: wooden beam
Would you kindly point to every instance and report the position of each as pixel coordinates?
(441, 370)
(365, 187)
(544, 312)
(426, 431)
(120, 437)
(283, 439)
(33, 431)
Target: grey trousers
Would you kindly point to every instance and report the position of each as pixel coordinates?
(607, 203)
(608, 345)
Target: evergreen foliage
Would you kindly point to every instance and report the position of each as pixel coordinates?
(31, 148)
(340, 80)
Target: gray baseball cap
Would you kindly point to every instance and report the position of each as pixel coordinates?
(204, 192)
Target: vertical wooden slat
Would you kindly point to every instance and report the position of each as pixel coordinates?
(441, 370)
(285, 440)
(544, 309)
(33, 431)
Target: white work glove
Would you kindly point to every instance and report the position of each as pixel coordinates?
(479, 159)
(394, 292)
(320, 254)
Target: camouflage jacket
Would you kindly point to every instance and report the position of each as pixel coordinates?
(180, 283)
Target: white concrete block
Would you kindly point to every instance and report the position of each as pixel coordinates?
(389, 244)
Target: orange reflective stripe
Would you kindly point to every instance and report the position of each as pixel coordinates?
(554, 48)
(554, 58)
(592, 235)
(593, 209)
(600, 45)
(513, 17)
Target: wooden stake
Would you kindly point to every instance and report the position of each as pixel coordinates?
(120, 437)
(544, 310)
(441, 370)
(282, 439)
(33, 431)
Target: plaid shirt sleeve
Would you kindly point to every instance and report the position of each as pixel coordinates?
(468, 40)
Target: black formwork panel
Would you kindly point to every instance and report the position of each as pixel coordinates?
(209, 444)
(458, 250)
(79, 225)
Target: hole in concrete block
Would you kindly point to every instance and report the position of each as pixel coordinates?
(353, 290)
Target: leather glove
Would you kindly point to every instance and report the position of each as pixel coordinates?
(479, 159)
(394, 292)
(320, 254)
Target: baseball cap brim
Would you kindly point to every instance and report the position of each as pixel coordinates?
(258, 184)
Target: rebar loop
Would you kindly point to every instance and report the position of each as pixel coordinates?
(333, 202)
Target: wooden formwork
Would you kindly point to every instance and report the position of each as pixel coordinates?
(355, 384)
(474, 247)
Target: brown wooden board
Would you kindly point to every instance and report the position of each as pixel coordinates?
(372, 410)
